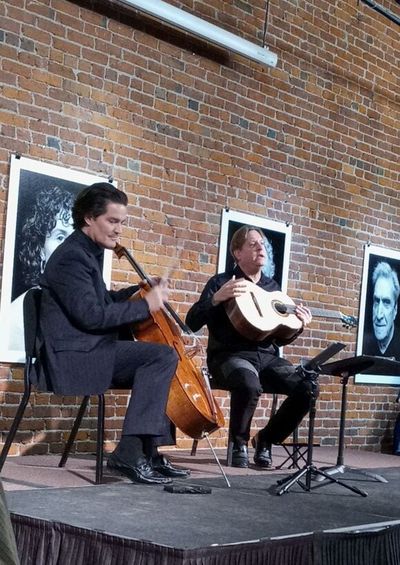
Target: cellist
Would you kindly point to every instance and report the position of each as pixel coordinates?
(245, 367)
(82, 354)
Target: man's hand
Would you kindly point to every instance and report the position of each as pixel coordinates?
(231, 289)
(156, 297)
(304, 314)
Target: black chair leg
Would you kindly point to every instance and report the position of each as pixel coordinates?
(229, 450)
(14, 426)
(100, 435)
(194, 447)
(100, 440)
(274, 404)
(74, 431)
(295, 452)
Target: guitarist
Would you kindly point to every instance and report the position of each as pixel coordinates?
(247, 368)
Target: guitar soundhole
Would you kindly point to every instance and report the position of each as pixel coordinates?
(279, 307)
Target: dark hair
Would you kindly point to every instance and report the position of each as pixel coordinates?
(50, 202)
(92, 201)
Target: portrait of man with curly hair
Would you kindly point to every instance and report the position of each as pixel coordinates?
(47, 225)
(39, 207)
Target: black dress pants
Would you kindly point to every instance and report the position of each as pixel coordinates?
(250, 373)
(148, 369)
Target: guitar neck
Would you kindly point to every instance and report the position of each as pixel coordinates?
(348, 321)
(321, 313)
(318, 312)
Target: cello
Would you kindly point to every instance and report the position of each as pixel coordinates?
(191, 405)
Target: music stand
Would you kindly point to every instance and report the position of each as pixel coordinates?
(310, 371)
(346, 368)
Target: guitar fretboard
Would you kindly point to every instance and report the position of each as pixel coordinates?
(322, 313)
(318, 312)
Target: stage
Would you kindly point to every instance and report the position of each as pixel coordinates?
(61, 517)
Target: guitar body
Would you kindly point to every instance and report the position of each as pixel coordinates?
(256, 316)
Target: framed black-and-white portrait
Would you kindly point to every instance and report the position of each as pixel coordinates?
(40, 199)
(277, 243)
(379, 319)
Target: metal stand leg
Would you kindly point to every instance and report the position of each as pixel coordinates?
(310, 471)
(217, 460)
(340, 467)
(100, 439)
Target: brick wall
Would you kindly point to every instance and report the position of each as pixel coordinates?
(187, 129)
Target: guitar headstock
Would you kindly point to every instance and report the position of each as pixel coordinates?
(349, 321)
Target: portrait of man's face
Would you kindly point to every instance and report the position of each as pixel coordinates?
(384, 308)
(60, 232)
(44, 222)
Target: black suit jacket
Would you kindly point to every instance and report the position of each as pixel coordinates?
(80, 318)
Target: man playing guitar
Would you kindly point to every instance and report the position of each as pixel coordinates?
(244, 366)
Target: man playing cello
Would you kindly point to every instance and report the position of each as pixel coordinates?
(81, 352)
(244, 367)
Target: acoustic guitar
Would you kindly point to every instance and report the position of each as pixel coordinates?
(258, 314)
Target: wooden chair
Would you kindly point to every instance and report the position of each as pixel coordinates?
(31, 307)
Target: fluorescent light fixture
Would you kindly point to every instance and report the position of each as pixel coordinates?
(200, 28)
(382, 10)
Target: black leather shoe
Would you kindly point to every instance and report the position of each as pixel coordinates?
(262, 455)
(164, 467)
(240, 456)
(141, 472)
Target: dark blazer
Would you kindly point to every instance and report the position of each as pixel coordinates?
(80, 318)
